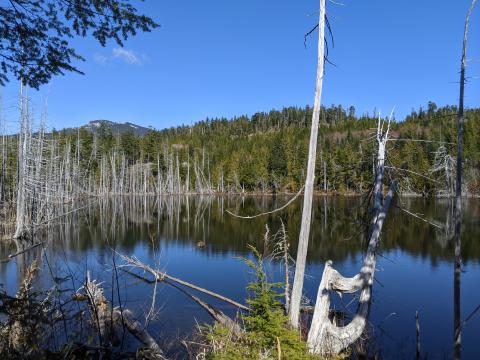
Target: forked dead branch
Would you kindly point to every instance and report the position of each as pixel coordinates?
(325, 337)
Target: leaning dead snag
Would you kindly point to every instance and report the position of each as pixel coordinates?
(161, 276)
(216, 314)
(325, 337)
(297, 289)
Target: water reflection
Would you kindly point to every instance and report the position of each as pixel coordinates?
(336, 232)
(414, 267)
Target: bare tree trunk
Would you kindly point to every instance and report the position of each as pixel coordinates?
(188, 173)
(457, 337)
(308, 197)
(3, 175)
(22, 143)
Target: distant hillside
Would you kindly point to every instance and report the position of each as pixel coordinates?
(94, 127)
(115, 127)
(268, 151)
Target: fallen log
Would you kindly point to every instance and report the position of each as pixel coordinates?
(216, 314)
(137, 330)
(106, 319)
(161, 276)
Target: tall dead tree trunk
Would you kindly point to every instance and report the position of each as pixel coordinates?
(457, 336)
(22, 144)
(308, 197)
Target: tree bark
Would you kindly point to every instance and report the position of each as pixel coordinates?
(308, 197)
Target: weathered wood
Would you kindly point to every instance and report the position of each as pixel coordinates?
(326, 338)
(138, 331)
(286, 264)
(21, 170)
(100, 309)
(216, 314)
(161, 276)
(297, 290)
(107, 319)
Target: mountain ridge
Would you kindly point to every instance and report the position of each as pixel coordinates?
(94, 127)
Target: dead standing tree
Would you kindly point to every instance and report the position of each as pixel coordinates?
(444, 164)
(297, 289)
(457, 337)
(325, 337)
(45, 184)
(21, 167)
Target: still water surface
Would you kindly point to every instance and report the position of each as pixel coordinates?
(414, 271)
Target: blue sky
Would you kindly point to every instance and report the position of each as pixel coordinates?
(214, 58)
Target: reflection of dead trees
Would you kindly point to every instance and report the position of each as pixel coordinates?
(49, 178)
(444, 231)
(325, 337)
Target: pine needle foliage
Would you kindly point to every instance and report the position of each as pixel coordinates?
(266, 335)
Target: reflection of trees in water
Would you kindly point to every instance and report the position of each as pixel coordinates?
(421, 239)
(186, 220)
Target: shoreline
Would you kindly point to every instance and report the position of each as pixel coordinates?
(272, 194)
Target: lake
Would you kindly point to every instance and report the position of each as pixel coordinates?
(414, 269)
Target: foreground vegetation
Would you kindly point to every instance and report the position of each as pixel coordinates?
(68, 323)
(266, 333)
